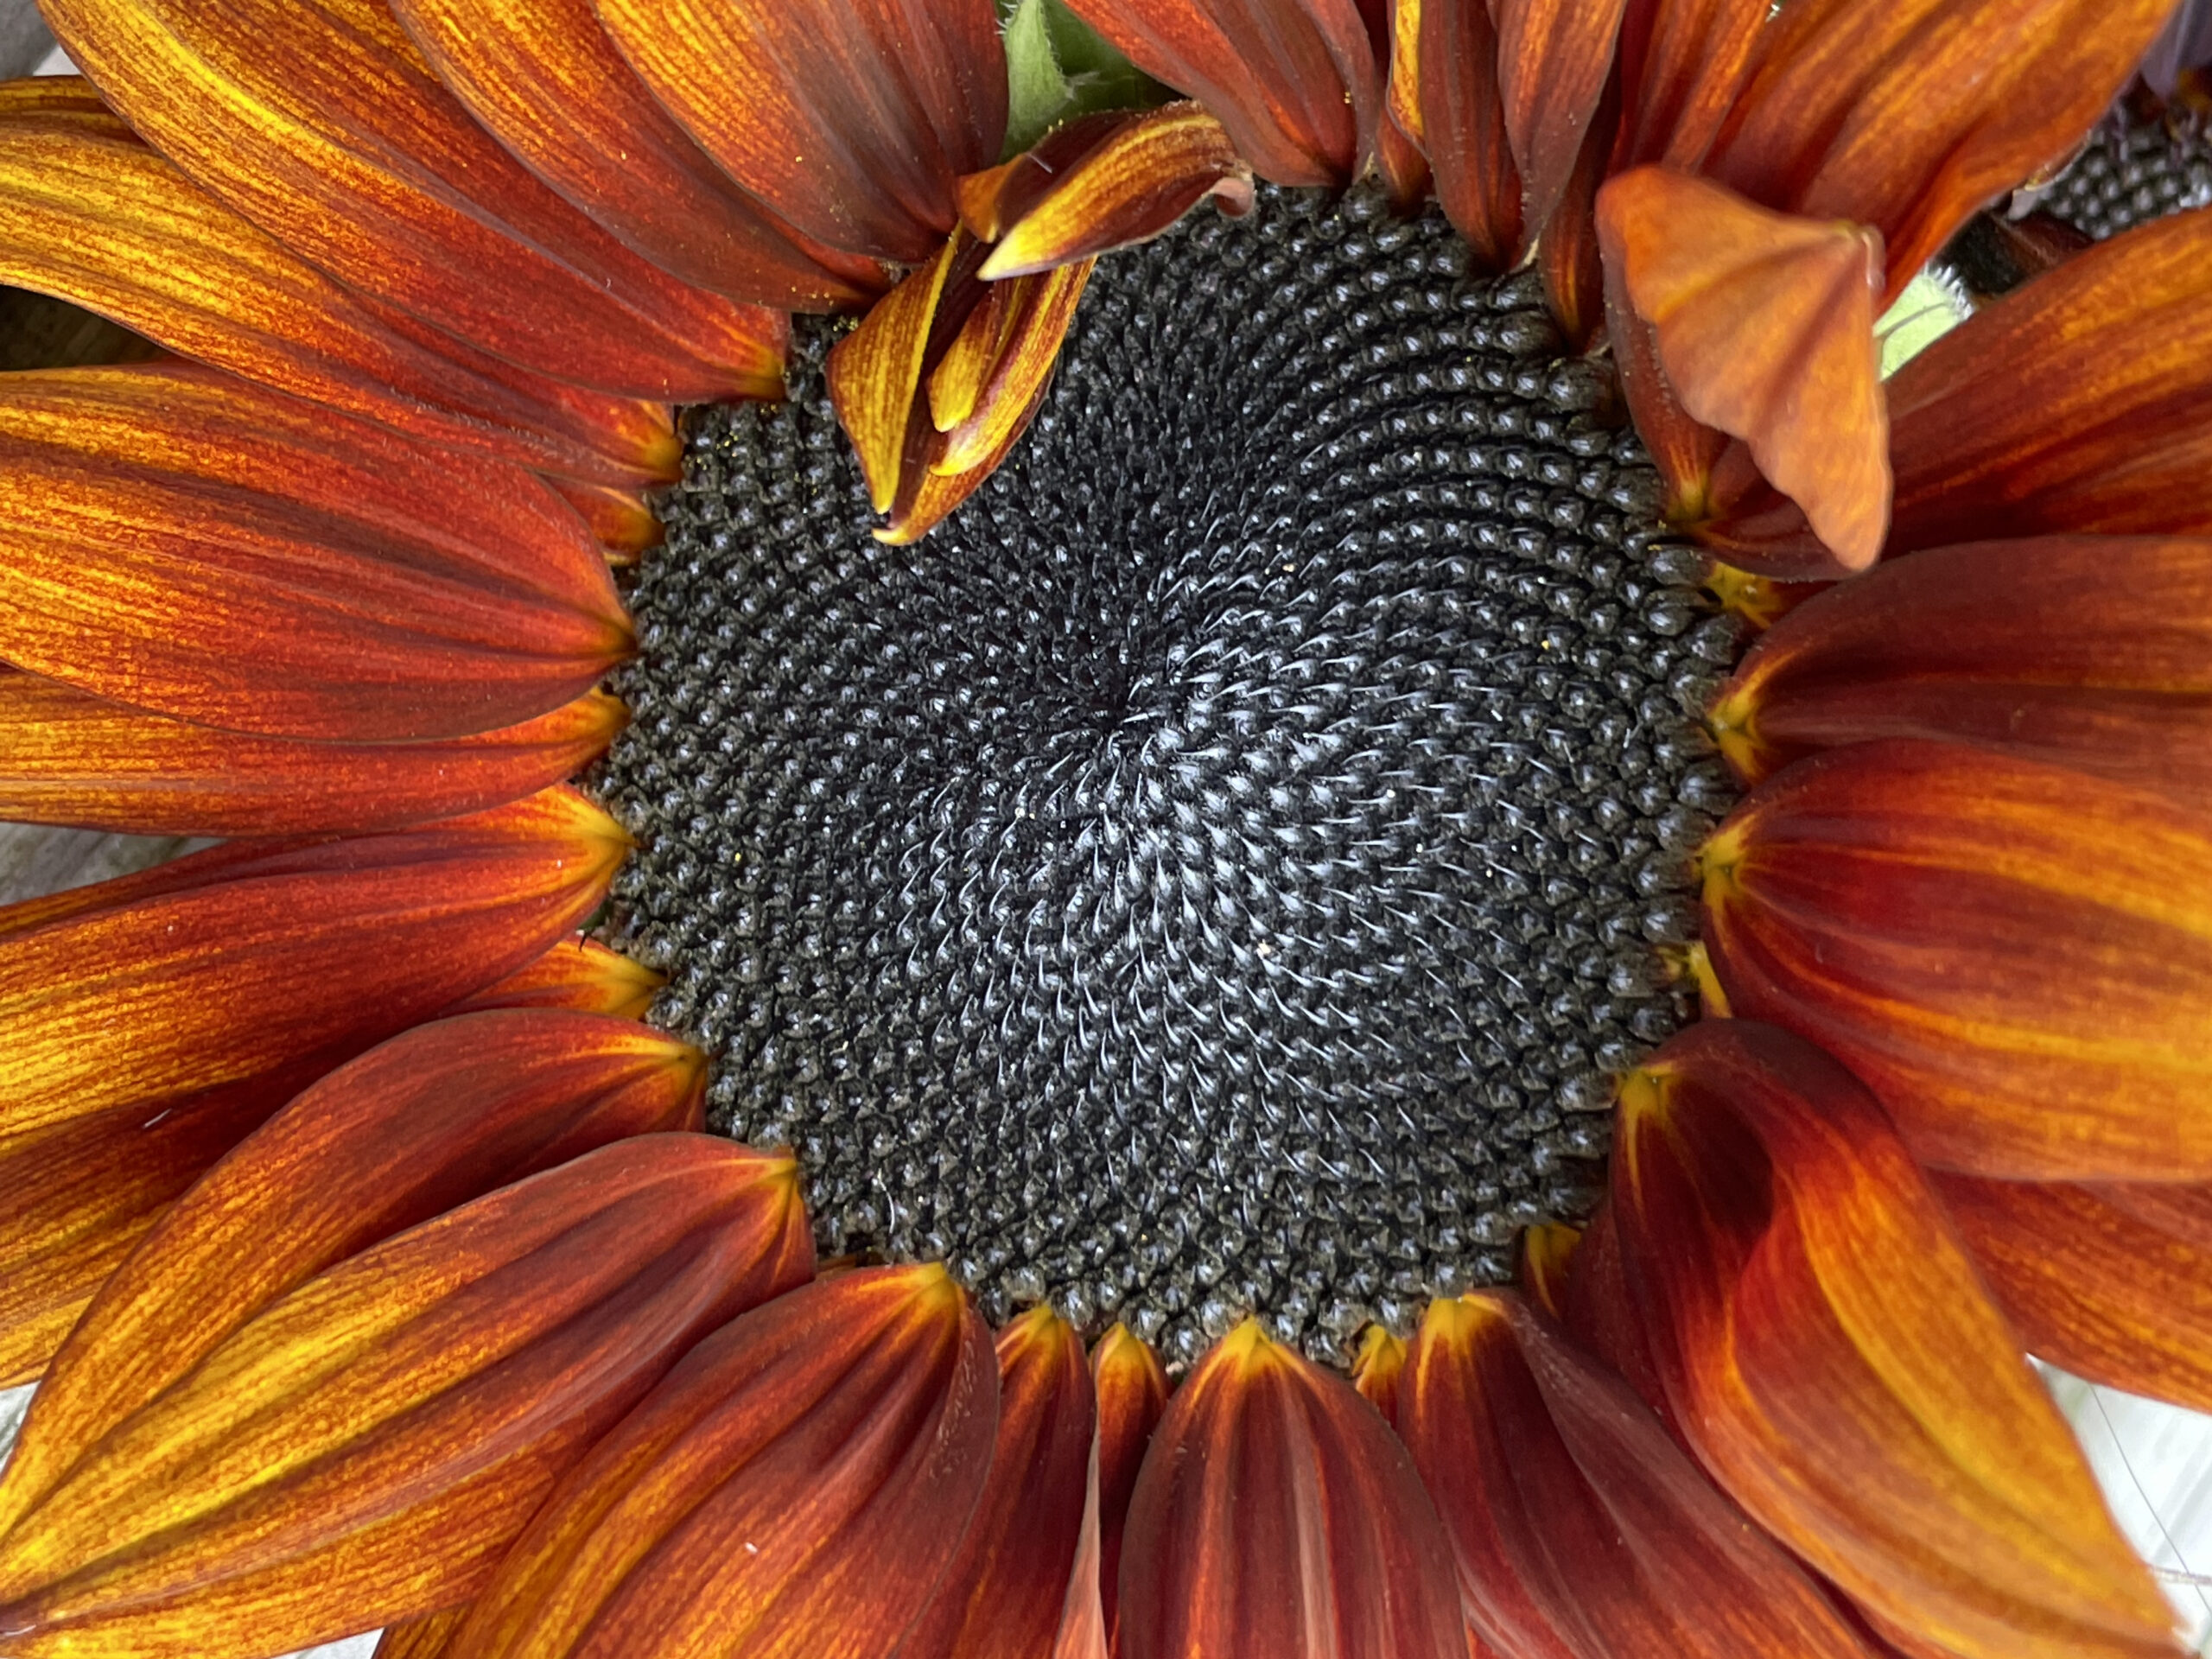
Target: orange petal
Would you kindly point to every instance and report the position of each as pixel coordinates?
(852, 123)
(427, 1637)
(111, 226)
(795, 1487)
(1012, 1592)
(2088, 651)
(1145, 174)
(252, 968)
(195, 546)
(1910, 115)
(1001, 398)
(69, 757)
(1682, 62)
(1463, 130)
(876, 373)
(1277, 1514)
(576, 973)
(363, 1449)
(2076, 403)
(537, 1087)
(1835, 1362)
(2016, 958)
(1553, 59)
(1132, 1390)
(1296, 82)
(1580, 1530)
(620, 521)
(1764, 327)
(317, 120)
(60, 103)
(1378, 1371)
(2114, 1282)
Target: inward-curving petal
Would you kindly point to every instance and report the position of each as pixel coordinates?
(1463, 128)
(1833, 1359)
(192, 544)
(2016, 958)
(1132, 1389)
(363, 1449)
(796, 1487)
(1277, 1514)
(1553, 60)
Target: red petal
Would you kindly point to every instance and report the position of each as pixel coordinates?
(191, 544)
(615, 153)
(241, 969)
(68, 758)
(1580, 1530)
(1764, 327)
(111, 226)
(363, 1450)
(1909, 116)
(579, 974)
(1379, 1370)
(2114, 1282)
(1463, 128)
(1834, 1361)
(1296, 82)
(317, 120)
(2088, 651)
(1682, 62)
(1277, 1515)
(1547, 1266)
(540, 1087)
(1567, 250)
(1553, 59)
(796, 1486)
(1132, 1391)
(620, 521)
(2016, 958)
(851, 121)
(2077, 403)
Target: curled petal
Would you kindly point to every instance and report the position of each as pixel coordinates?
(1132, 1390)
(876, 373)
(1910, 115)
(1834, 1361)
(1553, 60)
(195, 546)
(1764, 328)
(1579, 1529)
(67, 757)
(843, 1431)
(534, 1087)
(1296, 82)
(1682, 62)
(2076, 403)
(576, 973)
(2016, 958)
(246, 970)
(1277, 1514)
(365, 1449)
(109, 225)
(852, 121)
(1463, 128)
(2088, 651)
(1136, 182)
(317, 120)
(997, 365)
(2112, 1281)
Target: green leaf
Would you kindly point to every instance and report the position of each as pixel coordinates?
(1036, 90)
(1058, 67)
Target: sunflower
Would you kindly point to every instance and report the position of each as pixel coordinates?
(1519, 930)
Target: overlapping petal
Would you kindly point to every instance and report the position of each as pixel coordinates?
(1378, 1371)
(1834, 1361)
(1462, 127)
(59, 103)
(1553, 57)
(1682, 63)
(796, 1486)
(2015, 957)
(2088, 651)
(621, 521)
(852, 119)
(1277, 1514)
(197, 546)
(1580, 1530)
(99, 220)
(576, 973)
(2077, 403)
(317, 120)
(1132, 1394)
(363, 1448)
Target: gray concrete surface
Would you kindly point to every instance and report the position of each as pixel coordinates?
(24, 39)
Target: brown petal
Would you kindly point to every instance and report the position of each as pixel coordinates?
(1463, 130)
(1764, 328)
(2076, 403)
(1567, 250)
(2088, 651)
(1296, 82)
(427, 1637)
(796, 1486)
(69, 757)
(111, 226)
(1547, 1266)
(436, 1117)
(363, 1450)
(1553, 59)
(1836, 1364)
(1580, 1530)
(1910, 115)
(1682, 62)
(197, 546)
(1278, 1515)
(576, 973)
(317, 120)
(2016, 958)
(850, 122)
(1132, 1389)
(1142, 176)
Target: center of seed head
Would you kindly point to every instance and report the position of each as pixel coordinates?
(1216, 869)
